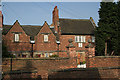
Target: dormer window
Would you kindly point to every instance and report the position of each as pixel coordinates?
(45, 38)
(16, 38)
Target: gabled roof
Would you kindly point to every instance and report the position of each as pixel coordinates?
(76, 26)
(29, 30)
(6, 29)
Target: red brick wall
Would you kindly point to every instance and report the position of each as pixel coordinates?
(44, 65)
(23, 45)
(41, 65)
(86, 74)
(103, 61)
(64, 42)
(45, 46)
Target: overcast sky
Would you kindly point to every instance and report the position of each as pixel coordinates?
(35, 13)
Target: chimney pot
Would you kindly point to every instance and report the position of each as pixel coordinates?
(55, 7)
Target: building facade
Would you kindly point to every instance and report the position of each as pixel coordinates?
(48, 40)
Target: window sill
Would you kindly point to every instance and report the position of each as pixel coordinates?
(46, 42)
(16, 41)
(80, 42)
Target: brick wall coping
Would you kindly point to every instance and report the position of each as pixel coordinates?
(105, 57)
(20, 71)
(84, 69)
(52, 58)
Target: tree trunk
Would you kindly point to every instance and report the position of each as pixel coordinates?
(106, 48)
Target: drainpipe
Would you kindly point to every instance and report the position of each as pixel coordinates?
(11, 64)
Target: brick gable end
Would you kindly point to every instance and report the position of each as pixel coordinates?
(49, 46)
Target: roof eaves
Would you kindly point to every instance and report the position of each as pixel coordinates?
(76, 34)
(73, 19)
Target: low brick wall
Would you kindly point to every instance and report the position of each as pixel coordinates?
(87, 74)
(103, 61)
(42, 65)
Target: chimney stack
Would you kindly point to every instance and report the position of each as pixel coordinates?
(1, 19)
(55, 18)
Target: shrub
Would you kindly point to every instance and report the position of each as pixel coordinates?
(82, 62)
(54, 55)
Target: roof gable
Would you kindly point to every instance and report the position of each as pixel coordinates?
(7, 28)
(46, 29)
(28, 29)
(76, 26)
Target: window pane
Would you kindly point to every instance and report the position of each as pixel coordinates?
(84, 38)
(80, 38)
(76, 38)
(16, 37)
(93, 39)
(79, 44)
(45, 38)
(46, 55)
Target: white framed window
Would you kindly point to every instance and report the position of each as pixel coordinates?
(16, 37)
(45, 38)
(93, 38)
(80, 44)
(84, 38)
(46, 55)
(76, 38)
(80, 38)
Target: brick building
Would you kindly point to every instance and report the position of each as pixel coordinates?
(47, 40)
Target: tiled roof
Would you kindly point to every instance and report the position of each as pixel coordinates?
(68, 26)
(29, 30)
(76, 26)
(6, 28)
